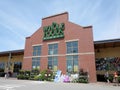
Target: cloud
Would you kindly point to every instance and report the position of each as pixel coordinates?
(23, 18)
(13, 22)
(108, 26)
(12, 31)
(113, 30)
(10, 44)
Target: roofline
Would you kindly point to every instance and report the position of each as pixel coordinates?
(88, 26)
(107, 41)
(55, 15)
(12, 51)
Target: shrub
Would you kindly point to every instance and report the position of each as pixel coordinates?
(46, 75)
(83, 76)
(35, 71)
(119, 79)
(111, 78)
(37, 77)
(32, 77)
(83, 80)
(42, 77)
(33, 74)
(26, 77)
(20, 76)
(21, 72)
(23, 75)
(27, 73)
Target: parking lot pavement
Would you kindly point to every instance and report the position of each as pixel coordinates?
(14, 84)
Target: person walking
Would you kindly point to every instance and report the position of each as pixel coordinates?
(107, 77)
(116, 78)
(5, 75)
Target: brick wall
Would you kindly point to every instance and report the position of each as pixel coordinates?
(72, 31)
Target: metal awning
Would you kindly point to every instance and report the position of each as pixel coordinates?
(13, 52)
(107, 43)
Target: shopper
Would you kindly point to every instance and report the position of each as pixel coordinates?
(116, 78)
(107, 77)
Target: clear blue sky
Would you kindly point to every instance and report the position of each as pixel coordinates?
(21, 18)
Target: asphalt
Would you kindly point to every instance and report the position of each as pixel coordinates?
(14, 84)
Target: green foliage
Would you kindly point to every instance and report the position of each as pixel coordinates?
(83, 76)
(21, 72)
(111, 77)
(32, 77)
(27, 73)
(119, 79)
(23, 75)
(83, 80)
(46, 75)
(42, 75)
(26, 77)
(34, 73)
(37, 77)
(20, 76)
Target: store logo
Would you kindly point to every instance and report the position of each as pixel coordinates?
(53, 31)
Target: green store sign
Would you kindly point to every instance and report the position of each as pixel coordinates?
(53, 31)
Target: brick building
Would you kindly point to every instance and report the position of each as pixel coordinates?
(61, 44)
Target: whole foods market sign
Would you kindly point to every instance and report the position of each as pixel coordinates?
(53, 31)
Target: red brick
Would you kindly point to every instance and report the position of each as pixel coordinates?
(72, 31)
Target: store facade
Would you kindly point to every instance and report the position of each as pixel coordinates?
(11, 62)
(107, 55)
(61, 45)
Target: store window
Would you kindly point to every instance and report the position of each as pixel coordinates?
(36, 50)
(53, 60)
(108, 63)
(36, 57)
(72, 60)
(2, 66)
(53, 49)
(53, 63)
(17, 66)
(72, 64)
(36, 62)
(72, 47)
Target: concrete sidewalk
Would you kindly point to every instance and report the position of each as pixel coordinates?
(97, 83)
(11, 78)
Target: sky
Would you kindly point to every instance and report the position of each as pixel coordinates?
(21, 18)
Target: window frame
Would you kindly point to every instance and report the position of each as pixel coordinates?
(35, 62)
(37, 50)
(54, 62)
(72, 59)
(70, 48)
(53, 49)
